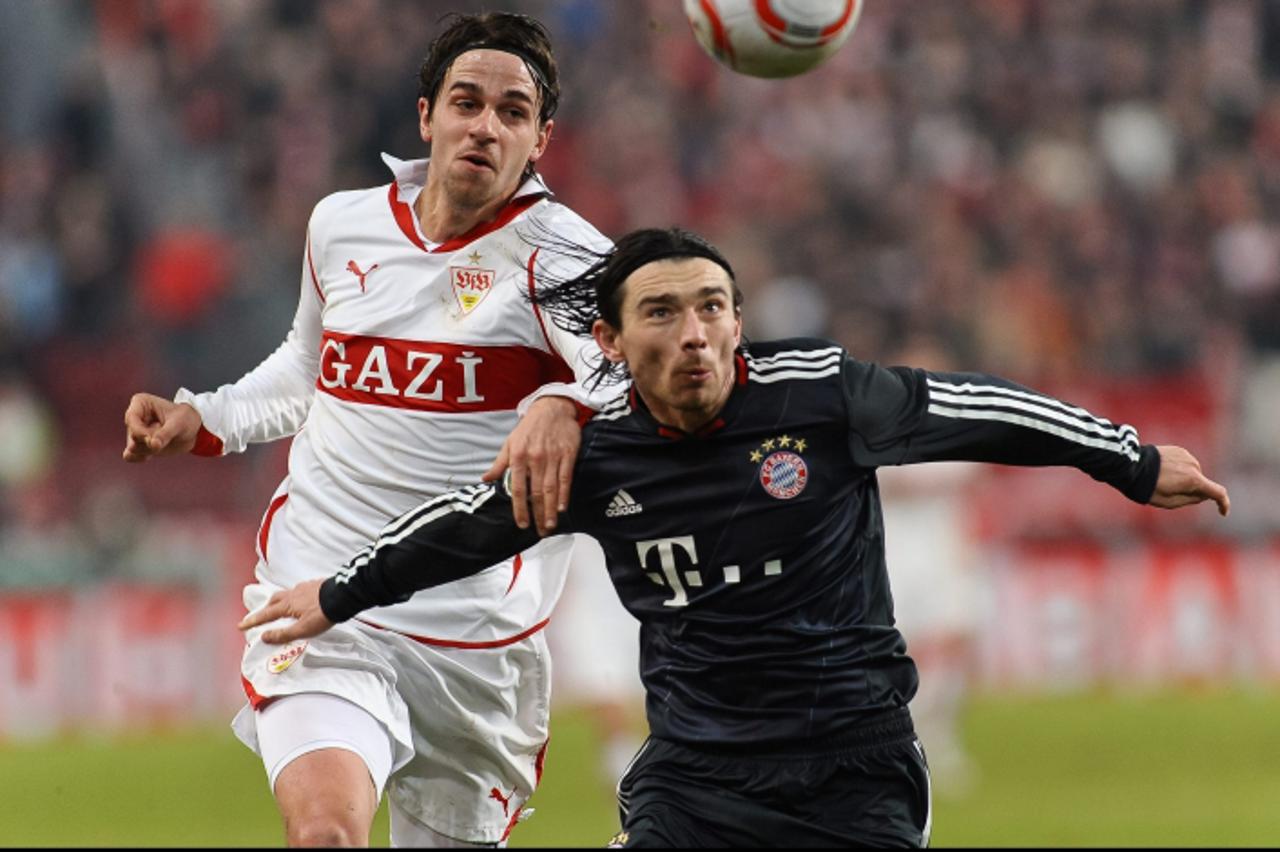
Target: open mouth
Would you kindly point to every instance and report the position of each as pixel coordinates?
(478, 160)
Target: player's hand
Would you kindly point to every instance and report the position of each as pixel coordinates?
(1181, 483)
(541, 452)
(155, 426)
(301, 602)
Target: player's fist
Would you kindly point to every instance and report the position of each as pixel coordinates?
(155, 426)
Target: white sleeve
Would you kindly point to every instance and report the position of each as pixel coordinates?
(580, 353)
(271, 401)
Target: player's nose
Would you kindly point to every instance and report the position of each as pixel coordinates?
(484, 125)
(693, 332)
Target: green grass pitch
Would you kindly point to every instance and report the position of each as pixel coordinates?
(1156, 769)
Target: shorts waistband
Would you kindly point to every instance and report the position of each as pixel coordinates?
(877, 729)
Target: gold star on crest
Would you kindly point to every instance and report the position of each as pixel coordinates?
(800, 445)
(784, 441)
(475, 257)
(757, 456)
(767, 445)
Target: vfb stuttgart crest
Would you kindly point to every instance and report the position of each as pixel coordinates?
(286, 658)
(784, 475)
(470, 285)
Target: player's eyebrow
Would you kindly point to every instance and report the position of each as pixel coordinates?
(477, 90)
(668, 298)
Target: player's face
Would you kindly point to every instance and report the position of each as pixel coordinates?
(679, 332)
(483, 127)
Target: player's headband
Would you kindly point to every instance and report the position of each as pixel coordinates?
(544, 88)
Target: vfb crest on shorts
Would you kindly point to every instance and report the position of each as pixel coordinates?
(286, 658)
(783, 472)
(471, 283)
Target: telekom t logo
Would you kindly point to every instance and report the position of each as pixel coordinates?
(667, 559)
(678, 580)
(354, 269)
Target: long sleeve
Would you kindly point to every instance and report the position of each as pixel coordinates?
(901, 415)
(271, 401)
(453, 536)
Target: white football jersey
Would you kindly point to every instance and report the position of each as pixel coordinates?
(400, 380)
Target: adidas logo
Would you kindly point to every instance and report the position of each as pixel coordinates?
(621, 505)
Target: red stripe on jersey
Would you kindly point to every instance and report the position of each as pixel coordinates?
(207, 444)
(406, 220)
(514, 208)
(516, 565)
(265, 530)
(311, 265)
(457, 643)
(448, 378)
(537, 312)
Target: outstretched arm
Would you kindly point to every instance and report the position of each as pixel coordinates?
(900, 415)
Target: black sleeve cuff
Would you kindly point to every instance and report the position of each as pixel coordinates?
(1143, 485)
(339, 602)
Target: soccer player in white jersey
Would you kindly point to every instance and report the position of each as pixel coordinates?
(413, 343)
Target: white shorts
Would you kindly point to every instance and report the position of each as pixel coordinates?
(468, 727)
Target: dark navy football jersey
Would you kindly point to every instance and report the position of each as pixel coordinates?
(752, 552)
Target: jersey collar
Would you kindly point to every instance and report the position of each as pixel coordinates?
(410, 176)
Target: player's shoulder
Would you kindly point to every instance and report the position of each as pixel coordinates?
(555, 219)
(345, 200)
(793, 359)
(616, 424)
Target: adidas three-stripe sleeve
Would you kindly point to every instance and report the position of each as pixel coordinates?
(457, 534)
(902, 415)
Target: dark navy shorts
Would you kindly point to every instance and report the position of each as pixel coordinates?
(868, 786)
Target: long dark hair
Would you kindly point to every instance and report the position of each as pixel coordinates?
(575, 304)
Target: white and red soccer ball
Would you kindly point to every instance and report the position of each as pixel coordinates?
(772, 38)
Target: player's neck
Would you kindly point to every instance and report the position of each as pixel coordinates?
(688, 420)
(443, 220)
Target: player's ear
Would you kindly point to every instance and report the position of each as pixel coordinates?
(424, 119)
(607, 339)
(544, 138)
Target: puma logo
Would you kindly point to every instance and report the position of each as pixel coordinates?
(495, 793)
(353, 268)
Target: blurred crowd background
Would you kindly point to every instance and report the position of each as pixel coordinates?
(1082, 195)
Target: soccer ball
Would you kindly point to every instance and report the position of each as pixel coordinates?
(772, 38)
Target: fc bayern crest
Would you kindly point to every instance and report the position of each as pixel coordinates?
(470, 285)
(784, 475)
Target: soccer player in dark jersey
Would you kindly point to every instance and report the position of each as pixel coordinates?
(733, 490)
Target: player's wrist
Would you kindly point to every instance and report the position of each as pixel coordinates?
(337, 601)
